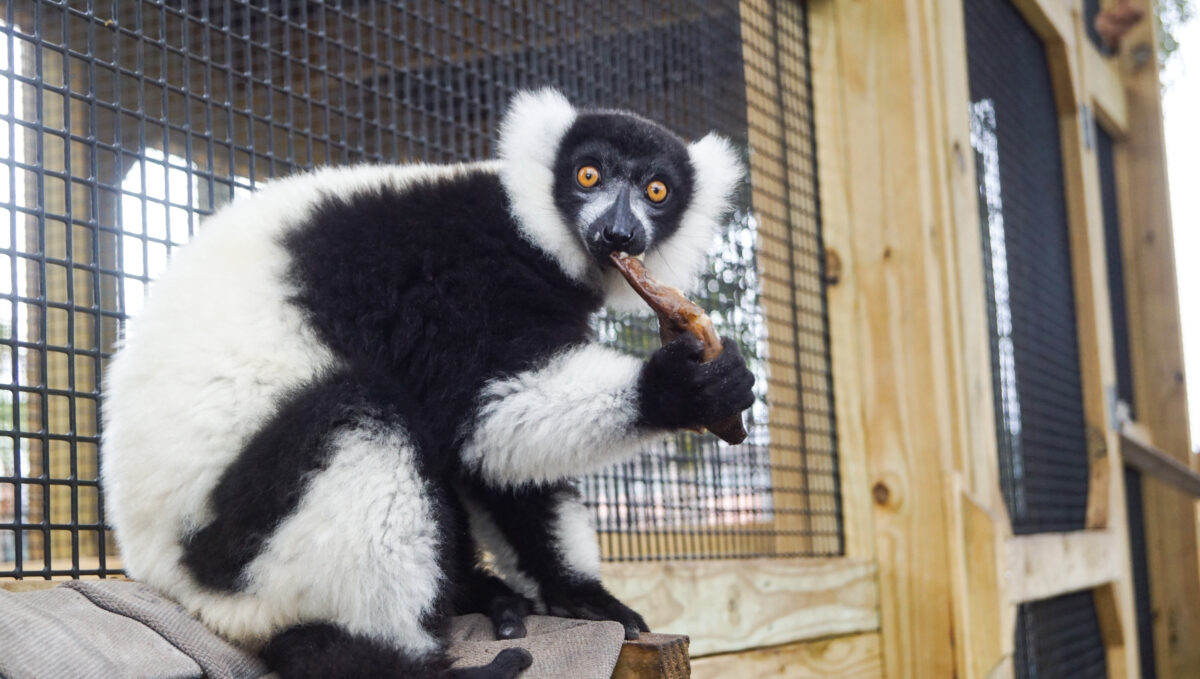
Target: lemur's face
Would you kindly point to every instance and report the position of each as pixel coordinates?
(621, 182)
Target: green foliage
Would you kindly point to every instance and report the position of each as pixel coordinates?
(1171, 15)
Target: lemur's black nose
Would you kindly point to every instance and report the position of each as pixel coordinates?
(622, 225)
(618, 233)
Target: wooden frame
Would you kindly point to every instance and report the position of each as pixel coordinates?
(880, 118)
(1157, 356)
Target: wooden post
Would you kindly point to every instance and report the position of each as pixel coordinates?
(654, 656)
(1157, 357)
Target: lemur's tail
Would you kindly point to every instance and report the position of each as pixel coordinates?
(330, 652)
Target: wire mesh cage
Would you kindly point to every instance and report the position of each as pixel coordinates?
(1060, 637)
(122, 124)
(1115, 263)
(1140, 571)
(1027, 263)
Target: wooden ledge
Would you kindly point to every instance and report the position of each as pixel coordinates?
(1140, 453)
(1046, 565)
(654, 656)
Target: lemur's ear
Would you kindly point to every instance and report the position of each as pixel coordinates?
(534, 125)
(718, 172)
(530, 136)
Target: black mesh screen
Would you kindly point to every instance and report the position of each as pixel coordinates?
(1116, 267)
(1140, 571)
(1091, 8)
(1031, 302)
(124, 122)
(1059, 638)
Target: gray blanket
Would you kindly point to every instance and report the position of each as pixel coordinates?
(113, 628)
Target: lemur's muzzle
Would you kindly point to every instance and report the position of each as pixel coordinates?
(619, 228)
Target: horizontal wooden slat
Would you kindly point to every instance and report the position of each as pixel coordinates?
(1049, 564)
(857, 656)
(1158, 464)
(732, 605)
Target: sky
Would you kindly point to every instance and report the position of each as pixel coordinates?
(1181, 115)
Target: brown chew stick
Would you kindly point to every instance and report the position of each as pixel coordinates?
(676, 315)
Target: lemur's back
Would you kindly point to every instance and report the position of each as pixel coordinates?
(220, 343)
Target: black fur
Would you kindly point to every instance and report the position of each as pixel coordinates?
(475, 590)
(323, 651)
(631, 151)
(522, 515)
(678, 391)
(434, 288)
(392, 282)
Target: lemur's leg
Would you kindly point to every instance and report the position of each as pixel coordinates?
(543, 533)
(478, 591)
(331, 525)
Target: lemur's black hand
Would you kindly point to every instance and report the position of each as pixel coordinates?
(677, 390)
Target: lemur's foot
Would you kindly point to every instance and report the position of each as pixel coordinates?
(507, 612)
(506, 665)
(591, 601)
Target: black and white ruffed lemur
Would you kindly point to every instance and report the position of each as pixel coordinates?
(344, 370)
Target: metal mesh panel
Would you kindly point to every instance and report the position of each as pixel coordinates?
(124, 123)
(1031, 301)
(1116, 267)
(1059, 638)
(777, 494)
(1091, 8)
(1140, 571)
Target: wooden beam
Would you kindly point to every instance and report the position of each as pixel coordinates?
(1106, 90)
(654, 656)
(1159, 464)
(732, 605)
(890, 229)
(988, 626)
(856, 656)
(843, 295)
(1157, 353)
(1052, 20)
(1107, 599)
(1046, 565)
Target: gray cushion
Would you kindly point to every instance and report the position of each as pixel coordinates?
(114, 628)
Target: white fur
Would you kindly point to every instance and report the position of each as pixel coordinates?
(365, 535)
(679, 260)
(574, 415)
(205, 363)
(530, 136)
(575, 539)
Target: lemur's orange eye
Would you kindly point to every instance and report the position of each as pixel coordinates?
(588, 176)
(656, 191)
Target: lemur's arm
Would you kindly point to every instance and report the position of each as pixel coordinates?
(541, 535)
(591, 406)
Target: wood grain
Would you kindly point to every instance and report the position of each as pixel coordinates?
(654, 656)
(1049, 564)
(731, 605)
(856, 656)
(1157, 357)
